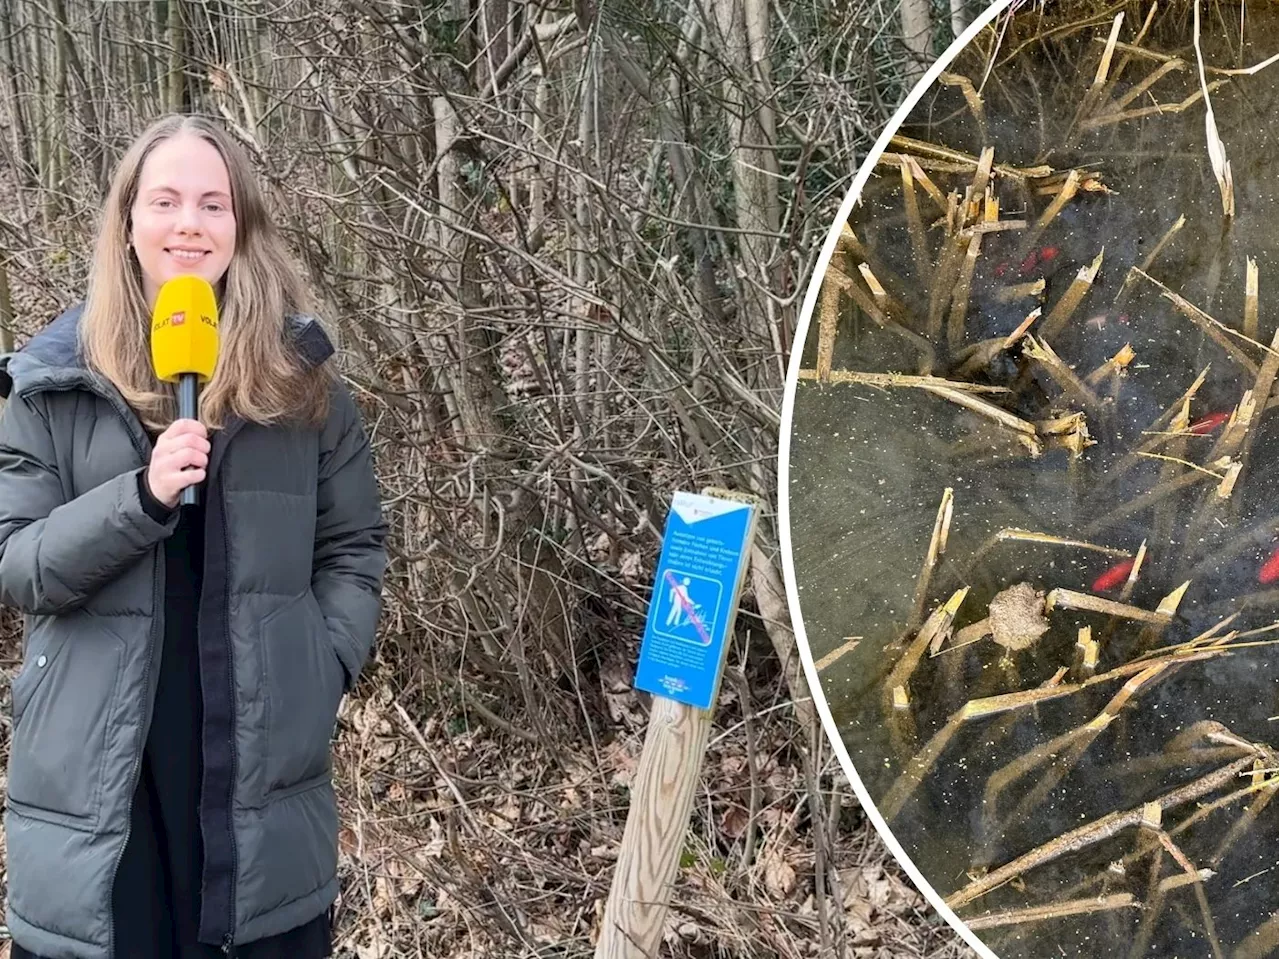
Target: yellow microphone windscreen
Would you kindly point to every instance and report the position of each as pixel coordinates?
(184, 329)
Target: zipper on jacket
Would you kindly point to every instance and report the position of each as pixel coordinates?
(217, 926)
(228, 946)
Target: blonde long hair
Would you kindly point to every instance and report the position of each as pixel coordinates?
(259, 376)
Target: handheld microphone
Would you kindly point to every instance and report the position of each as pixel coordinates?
(184, 344)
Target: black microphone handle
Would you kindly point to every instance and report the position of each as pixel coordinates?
(188, 409)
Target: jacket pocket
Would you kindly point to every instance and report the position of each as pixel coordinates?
(303, 683)
(63, 700)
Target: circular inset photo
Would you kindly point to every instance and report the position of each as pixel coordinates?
(1029, 481)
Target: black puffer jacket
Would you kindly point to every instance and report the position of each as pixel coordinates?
(294, 560)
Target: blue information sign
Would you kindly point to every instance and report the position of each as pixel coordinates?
(700, 571)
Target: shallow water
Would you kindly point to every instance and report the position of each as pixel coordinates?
(868, 468)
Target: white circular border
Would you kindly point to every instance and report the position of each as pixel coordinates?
(784, 457)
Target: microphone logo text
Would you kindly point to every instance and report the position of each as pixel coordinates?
(179, 318)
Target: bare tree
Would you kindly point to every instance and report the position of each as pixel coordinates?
(917, 34)
(563, 252)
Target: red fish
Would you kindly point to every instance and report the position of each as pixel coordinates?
(1207, 424)
(1000, 270)
(1270, 569)
(1036, 257)
(1113, 577)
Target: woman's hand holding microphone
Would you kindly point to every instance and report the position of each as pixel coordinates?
(179, 460)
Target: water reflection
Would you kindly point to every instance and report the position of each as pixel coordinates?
(1096, 787)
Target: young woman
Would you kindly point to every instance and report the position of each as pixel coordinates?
(169, 790)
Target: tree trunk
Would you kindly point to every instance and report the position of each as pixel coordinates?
(86, 108)
(917, 34)
(58, 120)
(6, 307)
(742, 28)
(771, 601)
(584, 262)
(20, 128)
(959, 18)
(470, 390)
(176, 85)
(44, 135)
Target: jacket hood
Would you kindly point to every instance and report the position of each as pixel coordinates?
(55, 350)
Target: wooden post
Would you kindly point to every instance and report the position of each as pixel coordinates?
(661, 804)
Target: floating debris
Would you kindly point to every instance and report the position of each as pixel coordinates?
(1071, 369)
(1015, 619)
